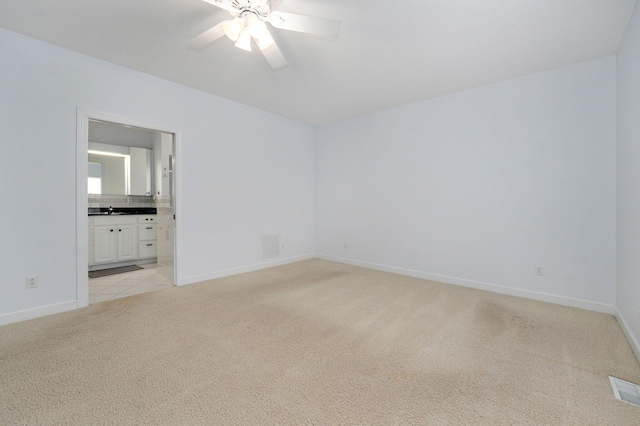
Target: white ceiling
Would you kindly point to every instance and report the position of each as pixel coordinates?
(389, 52)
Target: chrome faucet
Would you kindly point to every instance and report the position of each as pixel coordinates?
(110, 210)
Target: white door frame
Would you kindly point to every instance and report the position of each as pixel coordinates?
(82, 201)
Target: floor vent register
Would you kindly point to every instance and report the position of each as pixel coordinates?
(625, 391)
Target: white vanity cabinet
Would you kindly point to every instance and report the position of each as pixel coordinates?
(121, 240)
(115, 239)
(147, 234)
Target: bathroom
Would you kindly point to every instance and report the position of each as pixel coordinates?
(131, 210)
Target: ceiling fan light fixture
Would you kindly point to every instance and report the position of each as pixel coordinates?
(264, 41)
(232, 28)
(244, 40)
(259, 32)
(248, 22)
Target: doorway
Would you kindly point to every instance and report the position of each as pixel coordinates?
(153, 185)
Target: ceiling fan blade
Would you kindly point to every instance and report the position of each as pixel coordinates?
(274, 56)
(222, 4)
(305, 24)
(207, 37)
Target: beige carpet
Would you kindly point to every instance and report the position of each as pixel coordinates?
(316, 343)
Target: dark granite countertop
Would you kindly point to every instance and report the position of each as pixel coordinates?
(120, 211)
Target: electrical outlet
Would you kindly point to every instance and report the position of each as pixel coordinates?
(539, 271)
(32, 281)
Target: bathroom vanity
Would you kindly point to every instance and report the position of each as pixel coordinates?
(121, 238)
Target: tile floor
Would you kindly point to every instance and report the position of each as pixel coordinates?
(126, 284)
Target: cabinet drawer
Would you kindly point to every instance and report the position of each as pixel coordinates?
(147, 249)
(147, 218)
(147, 232)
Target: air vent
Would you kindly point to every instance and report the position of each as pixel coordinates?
(625, 391)
(270, 246)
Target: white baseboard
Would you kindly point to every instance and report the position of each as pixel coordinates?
(243, 269)
(38, 312)
(560, 300)
(633, 341)
(494, 288)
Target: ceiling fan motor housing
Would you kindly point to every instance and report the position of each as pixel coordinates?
(261, 8)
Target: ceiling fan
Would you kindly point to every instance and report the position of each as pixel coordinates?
(249, 18)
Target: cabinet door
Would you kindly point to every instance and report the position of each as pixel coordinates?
(105, 244)
(127, 242)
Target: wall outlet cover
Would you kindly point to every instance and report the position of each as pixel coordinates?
(32, 281)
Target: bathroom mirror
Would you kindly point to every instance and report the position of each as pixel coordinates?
(120, 170)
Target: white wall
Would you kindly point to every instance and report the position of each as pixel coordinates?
(628, 180)
(244, 172)
(479, 187)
